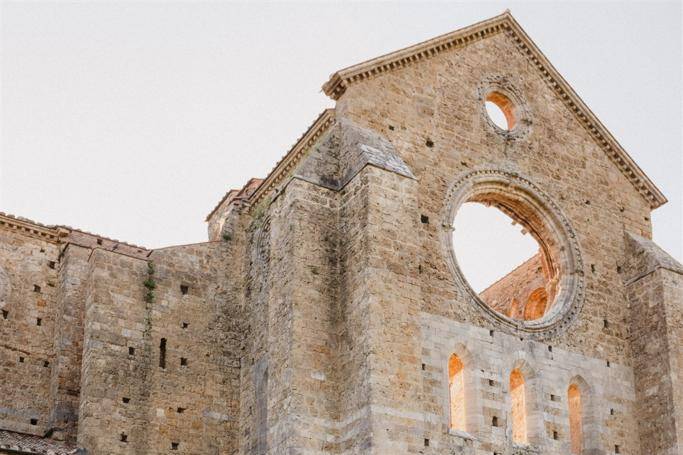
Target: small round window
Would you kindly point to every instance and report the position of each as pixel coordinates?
(501, 110)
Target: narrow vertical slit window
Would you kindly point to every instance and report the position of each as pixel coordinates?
(575, 417)
(456, 388)
(162, 353)
(518, 409)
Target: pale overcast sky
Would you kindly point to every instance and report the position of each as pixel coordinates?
(132, 119)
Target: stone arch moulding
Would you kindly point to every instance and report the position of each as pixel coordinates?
(589, 416)
(518, 197)
(496, 88)
(471, 366)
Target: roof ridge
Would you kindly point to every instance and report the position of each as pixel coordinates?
(321, 124)
(338, 82)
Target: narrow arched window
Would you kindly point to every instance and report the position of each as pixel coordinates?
(518, 410)
(575, 417)
(536, 304)
(456, 388)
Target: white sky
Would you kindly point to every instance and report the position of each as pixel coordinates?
(487, 245)
(131, 120)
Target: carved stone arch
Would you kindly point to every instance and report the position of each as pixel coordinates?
(518, 197)
(524, 364)
(589, 422)
(471, 369)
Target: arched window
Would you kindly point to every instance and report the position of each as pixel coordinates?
(536, 304)
(575, 418)
(518, 410)
(456, 388)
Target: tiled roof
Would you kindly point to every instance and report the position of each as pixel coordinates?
(26, 443)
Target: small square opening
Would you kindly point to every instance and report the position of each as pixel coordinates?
(494, 421)
(183, 362)
(46, 363)
(36, 288)
(34, 421)
(99, 241)
(126, 400)
(184, 289)
(180, 410)
(39, 321)
(51, 264)
(21, 359)
(424, 219)
(5, 313)
(185, 325)
(123, 437)
(426, 442)
(174, 446)
(131, 350)
(617, 449)
(555, 435)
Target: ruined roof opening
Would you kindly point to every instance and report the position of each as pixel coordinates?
(503, 263)
(501, 110)
(536, 289)
(505, 255)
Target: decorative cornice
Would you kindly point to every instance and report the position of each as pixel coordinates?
(285, 166)
(56, 233)
(30, 228)
(505, 23)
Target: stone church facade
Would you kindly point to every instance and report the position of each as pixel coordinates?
(327, 312)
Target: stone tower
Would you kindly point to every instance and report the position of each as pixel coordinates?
(327, 313)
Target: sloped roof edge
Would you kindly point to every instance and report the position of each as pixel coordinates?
(296, 152)
(504, 23)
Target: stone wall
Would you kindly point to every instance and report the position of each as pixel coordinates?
(160, 373)
(654, 284)
(433, 114)
(29, 282)
(321, 316)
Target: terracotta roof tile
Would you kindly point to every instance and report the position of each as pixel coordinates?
(26, 443)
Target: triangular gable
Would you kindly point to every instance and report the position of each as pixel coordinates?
(504, 23)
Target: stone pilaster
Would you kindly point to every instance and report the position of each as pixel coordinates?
(654, 286)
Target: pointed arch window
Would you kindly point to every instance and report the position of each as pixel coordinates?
(575, 418)
(518, 409)
(456, 389)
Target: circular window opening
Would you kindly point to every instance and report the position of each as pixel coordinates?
(501, 110)
(505, 257)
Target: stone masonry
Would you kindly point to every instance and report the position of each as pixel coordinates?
(323, 313)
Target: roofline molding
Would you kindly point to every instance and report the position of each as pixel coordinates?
(299, 150)
(504, 23)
